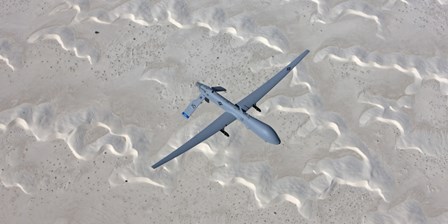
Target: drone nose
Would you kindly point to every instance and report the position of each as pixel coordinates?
(263, 130)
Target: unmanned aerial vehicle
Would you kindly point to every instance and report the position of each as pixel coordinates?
(232, 112)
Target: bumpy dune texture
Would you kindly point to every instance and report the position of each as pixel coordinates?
(92, 91)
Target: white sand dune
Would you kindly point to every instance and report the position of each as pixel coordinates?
(420, 68)
(331, 14)
(11, 53)
(91, 95)
(68, 41)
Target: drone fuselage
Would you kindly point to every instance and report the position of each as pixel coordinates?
(261, 129)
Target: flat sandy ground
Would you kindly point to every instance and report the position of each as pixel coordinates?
(91, 95)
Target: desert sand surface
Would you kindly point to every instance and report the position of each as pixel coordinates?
(91, 95)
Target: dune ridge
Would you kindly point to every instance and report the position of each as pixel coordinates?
(326, 14)
(45, 125)
(419, 67)
(391, 112)
(43, 122)
(409, 211)
(11, 53)
(68, 40)
(145, 13)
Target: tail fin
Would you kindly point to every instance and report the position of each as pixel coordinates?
(192, 106)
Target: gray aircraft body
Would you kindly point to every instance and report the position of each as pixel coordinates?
(232, 112)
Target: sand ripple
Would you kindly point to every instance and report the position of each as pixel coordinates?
(419, 67)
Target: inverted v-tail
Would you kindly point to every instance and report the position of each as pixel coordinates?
(193, 106)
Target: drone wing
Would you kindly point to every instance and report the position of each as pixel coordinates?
(250, 100)
(217, 125)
